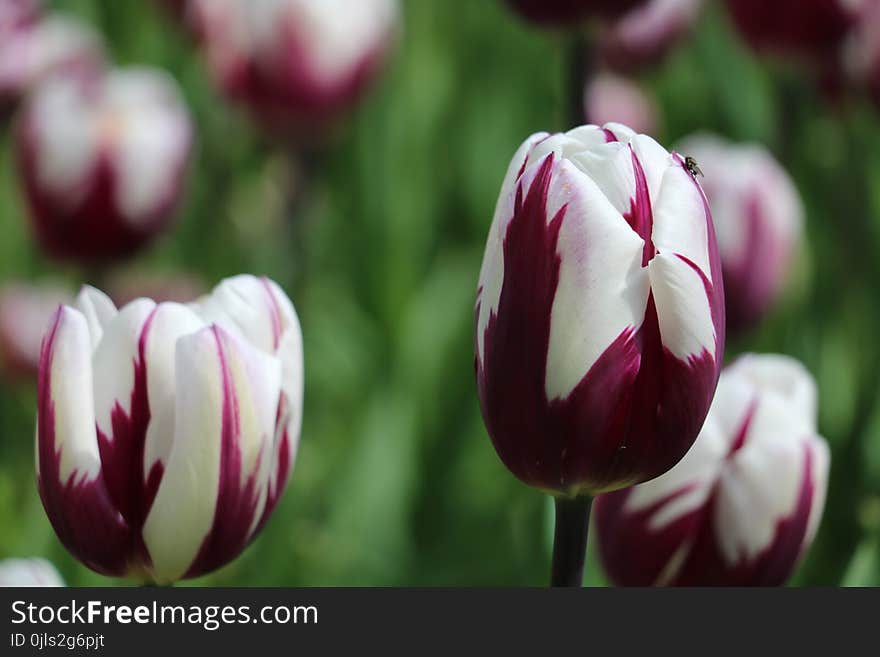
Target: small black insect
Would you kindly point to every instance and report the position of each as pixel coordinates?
(692, 166)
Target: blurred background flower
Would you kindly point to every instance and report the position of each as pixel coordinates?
(758, 218)
(610, 98)
(743, 506)
(402, 484)
(25, 311)
(646, 34)
(571, 12)
(34, 46)
(294, 62)
(29, 572)
(103, 161)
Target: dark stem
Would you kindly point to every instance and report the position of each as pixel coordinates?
(570, 540)
(581, 67)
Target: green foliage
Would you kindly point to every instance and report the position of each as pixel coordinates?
(396, 481)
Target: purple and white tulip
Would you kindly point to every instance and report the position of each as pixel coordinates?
(103, 161)
(565, 12)
(29, 573)
(611, 98)
(645, 35)
(25, 309)
(32, 48)
(744, 504)
(813, 29)
(758, 219)
(167, 432)
(600, 311)
(295, 62)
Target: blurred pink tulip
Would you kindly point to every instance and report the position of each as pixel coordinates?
(103, 162)
(744, 504)
(758, 219)
(861, 51)
(295, 62)
(29, 573)
(643, 36)
(25, 310)
(807, 28)
(610, 98)
(33, 47)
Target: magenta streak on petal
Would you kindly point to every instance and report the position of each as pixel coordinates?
(282, 460)
(740, 439)
(80, 510)
(632, 553)
(635, 413)
(609, 136)
(236, 503)
(640, 216)
(123, 453)
(274, 312)
(706, 566)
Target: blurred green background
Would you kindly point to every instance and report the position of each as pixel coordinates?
(396, 482)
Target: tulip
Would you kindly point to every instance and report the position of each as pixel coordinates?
(744, 504)
(647, 33)
(25, 309)
(167, 432)
(810, 28)
(861, 51)
(562, 12)
(610, 98)
(102, 162)
(599, 314)
(32, 49)
(295, 62)
(29, 572)
(759, 221)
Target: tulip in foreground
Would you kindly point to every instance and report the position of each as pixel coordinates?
(295, 62)
(599, 314)
(102, 161)
(166, 433)
(759, 221)
(29, 572)
(745, 503)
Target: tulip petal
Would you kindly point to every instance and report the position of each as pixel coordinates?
(98, 310)
(227, 403)
(69, 473)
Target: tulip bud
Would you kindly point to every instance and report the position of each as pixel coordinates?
(562, 12)
(645, 35)
(166, 433)
(33, 49)
(759, 222)
(811, 28)
(103, 162)
(295, 61)
(29, 572)
(25, 309)
(600, 312)
(861, 51)
(744, 504)
(610, 98)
